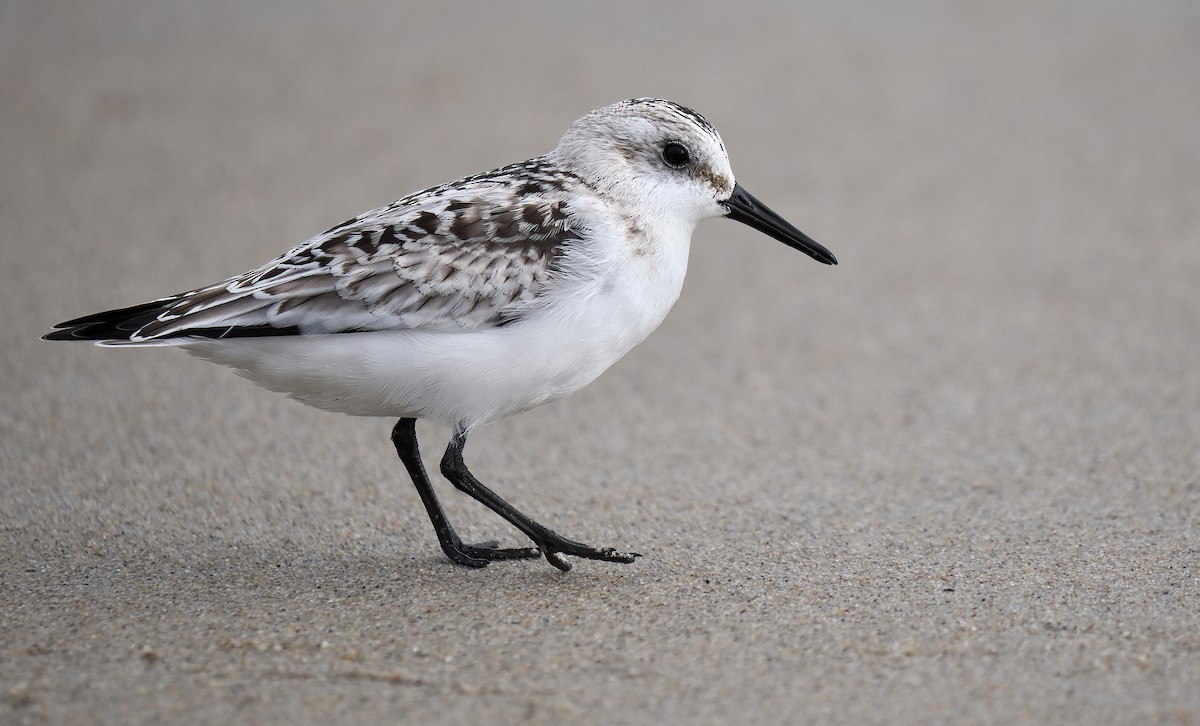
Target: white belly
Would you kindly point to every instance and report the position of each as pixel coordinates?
(475, 376)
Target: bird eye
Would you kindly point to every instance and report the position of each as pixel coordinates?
(676, 155)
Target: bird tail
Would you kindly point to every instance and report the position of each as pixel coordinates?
(112, 326)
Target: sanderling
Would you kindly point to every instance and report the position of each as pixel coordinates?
(477, 299)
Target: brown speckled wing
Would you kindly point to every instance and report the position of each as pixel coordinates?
(447, 258)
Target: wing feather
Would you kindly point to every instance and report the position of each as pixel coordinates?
(448, 258)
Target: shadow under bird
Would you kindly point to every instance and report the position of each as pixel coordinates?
(477, 299)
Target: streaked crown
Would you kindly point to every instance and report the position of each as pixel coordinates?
(651, 152)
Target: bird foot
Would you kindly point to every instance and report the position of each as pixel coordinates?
(554, 554)
(481, 554)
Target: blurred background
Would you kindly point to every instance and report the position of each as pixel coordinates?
(955, 477)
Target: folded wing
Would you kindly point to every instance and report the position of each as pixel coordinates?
(432, 261)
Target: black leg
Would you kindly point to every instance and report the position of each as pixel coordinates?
(552, 544)
(404, 436)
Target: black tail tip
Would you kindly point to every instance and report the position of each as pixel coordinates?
(61, 334)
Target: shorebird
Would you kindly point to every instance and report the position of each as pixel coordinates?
(474, 300)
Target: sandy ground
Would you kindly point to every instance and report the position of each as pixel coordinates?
(954, 479)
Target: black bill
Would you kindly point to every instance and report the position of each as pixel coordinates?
(744, 208)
